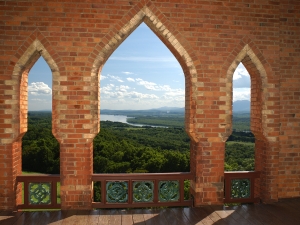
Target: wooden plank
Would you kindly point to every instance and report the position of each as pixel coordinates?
(273, 219)
(225, 217)
(194, 216)
(234, 213)
(283, 213)
(104, 217)
(292, 204)
(247, 215)
(169, 215)
(261, 216)
(154, 216)
(115, 217)
(138, 217)
(64, 217)
(55, 217)
(126, 217)
(213, 215)
(203, 215)
(8, 218)
(178, 212)
(151, 217)
(41, 218)
(25, 218)
(93, 218)
(81, 217)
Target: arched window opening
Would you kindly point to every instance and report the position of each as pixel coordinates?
(142, 86)
(40, 149)
(239, 153)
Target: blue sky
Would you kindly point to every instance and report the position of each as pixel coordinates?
(141, 74)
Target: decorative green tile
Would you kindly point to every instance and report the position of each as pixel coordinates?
(240, 188)
(143, 191)
(117, 192)
(168, 191)
(39, 193)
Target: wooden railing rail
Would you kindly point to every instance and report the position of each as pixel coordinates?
(40, 191)
(142, 190)
(239, 186)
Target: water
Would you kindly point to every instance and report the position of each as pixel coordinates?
(123, 119)
(114, 118)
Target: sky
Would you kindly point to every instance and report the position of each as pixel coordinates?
(141, 73)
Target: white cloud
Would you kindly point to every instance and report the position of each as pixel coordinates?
(139, 95)
(155, 87)
(239, 72)
(106, 88)
(130, 79)
(37, 100)
(122, 92)
(115, 78)
(241, 77)
(102, 77)
(175, 92)
(148, 85)
(39, 88)
(122, 88)
(241, 94)
(127, 73)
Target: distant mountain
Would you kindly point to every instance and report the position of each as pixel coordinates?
(238, 106)
(241, 106)
(165, 108)
(148, 112)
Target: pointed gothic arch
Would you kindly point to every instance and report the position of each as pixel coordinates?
(259, 92)
(259, 113)
(113, 40)
(20, 79)
(18, 110)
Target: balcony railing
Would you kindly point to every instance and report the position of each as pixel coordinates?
(40, 191)
(135, 190)
(141, 190)
(239, 187)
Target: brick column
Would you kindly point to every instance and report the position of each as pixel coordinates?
(207, 163)
(76, 160)
(11, 167)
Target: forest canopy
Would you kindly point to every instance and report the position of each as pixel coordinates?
(122, 148)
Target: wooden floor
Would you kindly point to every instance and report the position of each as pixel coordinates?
(286, 212)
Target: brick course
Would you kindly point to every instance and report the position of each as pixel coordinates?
(209, 38)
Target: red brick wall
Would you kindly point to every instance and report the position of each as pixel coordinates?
(289, 157)
(209, 38)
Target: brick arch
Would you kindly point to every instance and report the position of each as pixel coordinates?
(183, 53)
(259, 91)
(265, 144)
(20, 80)
(17, 86)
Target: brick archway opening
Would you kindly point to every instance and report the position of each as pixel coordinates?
(20, 105)
(112, 42)
(258, 123)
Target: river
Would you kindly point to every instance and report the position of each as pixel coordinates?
(123, 119)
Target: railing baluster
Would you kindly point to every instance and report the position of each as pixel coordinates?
(26, 195)
(155, 191)
(149, 177)
(103, 191)
(40, 190)
(240, 177)
(181, 188)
